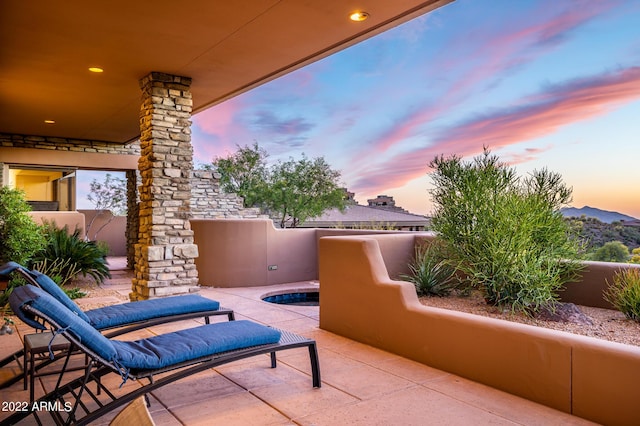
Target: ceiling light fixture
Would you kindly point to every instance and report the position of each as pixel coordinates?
(50, 121)
(96, 69)
(358, 16)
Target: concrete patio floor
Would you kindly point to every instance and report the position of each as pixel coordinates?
(361, 385)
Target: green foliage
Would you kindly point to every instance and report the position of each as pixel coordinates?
(20, 236)
(624, 293)
(74, 293)
(613, 251)
(302, 189)
(430, 272)
(14, 282)
(66, 255)
(244, 173)
(292, 191)
(107, 196)
(596, 233)
(635, 255)
(60, 270)
(506, 234)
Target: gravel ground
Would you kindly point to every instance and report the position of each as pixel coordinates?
(607, 324)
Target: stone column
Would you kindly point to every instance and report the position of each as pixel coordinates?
(133, 218)
(165, 253)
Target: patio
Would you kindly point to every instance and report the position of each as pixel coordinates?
(361, 384)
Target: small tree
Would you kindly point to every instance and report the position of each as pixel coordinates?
(244, 173)
(20, 236)
(505, 234)
(302, 189)
(635, 255)
(613, 251)
(110, 195)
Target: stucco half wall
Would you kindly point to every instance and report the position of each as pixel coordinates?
(590, 378)
(251, 252)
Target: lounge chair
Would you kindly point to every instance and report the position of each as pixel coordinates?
(118, 319)
(161, 359)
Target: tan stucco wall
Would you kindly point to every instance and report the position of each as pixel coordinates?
(113, 234)
(588, 290)
(237, 253)
(594, 379)
(72, 220)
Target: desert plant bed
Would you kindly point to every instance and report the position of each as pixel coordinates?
(608, 324)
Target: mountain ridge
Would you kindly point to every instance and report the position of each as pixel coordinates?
(605, 216)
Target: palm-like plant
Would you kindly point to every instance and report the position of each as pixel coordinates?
(68, 254)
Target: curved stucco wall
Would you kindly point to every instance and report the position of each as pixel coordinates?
(593, 379)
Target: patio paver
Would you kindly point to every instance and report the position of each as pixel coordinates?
(361, 385)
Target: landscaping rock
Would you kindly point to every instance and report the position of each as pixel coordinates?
(564, 312)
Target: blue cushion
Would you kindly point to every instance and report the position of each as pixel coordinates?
(8, 268)
(45, 303)
(18, 297)
(48, 285)
(126, 313)
(172, 348)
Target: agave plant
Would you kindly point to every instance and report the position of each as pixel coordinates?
(430, 272)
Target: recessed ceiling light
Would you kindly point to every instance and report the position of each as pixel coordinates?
(50, 121)
(358, 16)
(96, 69)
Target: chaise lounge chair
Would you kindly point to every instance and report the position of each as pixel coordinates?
(161, 359)
(117, 319)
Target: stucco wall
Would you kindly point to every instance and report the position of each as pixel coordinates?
(113, 233)
(590, 378)
(237, 253)
(72, 220)
(244, 252)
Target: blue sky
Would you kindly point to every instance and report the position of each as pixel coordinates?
(542, 83)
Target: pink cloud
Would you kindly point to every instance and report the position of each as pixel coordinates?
(482, 63)
(542, 114)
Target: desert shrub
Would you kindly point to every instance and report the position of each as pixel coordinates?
(430, 272)
(67, 255)
(505, 233)
(612, 251)
(624, 292)
(20, 236)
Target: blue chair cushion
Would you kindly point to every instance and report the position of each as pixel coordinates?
(54, 290)
(184, 345)
(126, 313)
(8, 268)
(62, 316)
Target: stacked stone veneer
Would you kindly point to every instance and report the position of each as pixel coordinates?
(165, 253)
(208, 202)
(72, 145)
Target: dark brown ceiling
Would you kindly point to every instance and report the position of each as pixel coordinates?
(226, 47)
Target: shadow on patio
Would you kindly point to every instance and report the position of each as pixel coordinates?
(361, 384)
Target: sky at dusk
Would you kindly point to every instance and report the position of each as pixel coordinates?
(542, 83)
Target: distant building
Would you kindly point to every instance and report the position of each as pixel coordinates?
(381, 213)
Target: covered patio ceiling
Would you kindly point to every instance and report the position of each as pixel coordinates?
(227, 48)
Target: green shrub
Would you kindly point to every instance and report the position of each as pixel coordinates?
(20, 236)
(430, 272)
(612, 251)
(624, 292)
(506, 234)
(67, 255)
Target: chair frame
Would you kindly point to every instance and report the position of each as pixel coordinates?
(103, 401)
(108, 332)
